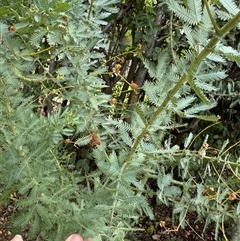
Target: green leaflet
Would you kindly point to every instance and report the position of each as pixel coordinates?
(159, 71)
(42, 4)
(140, 113)
(211, 118)
(191, 15)
(230, 6)
(3, 29)
(198, 91)
(83, 140)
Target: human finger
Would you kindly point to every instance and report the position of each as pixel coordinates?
(17, 238)
(73, 237)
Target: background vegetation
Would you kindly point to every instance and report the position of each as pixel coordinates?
(110, 106)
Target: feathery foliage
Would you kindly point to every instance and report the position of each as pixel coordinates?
(79, 160)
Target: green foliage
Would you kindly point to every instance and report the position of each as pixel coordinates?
(190, 14)
(78, 165)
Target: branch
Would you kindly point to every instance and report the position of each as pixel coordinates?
(211, 17)
(191, 70)
(158, 20)
(151, 45)
(121, 14)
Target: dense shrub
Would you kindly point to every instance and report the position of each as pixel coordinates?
(88, 118)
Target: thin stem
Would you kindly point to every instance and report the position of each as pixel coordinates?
(223, 229)
(116, 194)
(229, 25)
(226, 151)
(200, 133)
(171, 36)
(90, 9)
(211, 17)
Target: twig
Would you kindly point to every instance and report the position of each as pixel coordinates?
(121, 14)
(194, 230)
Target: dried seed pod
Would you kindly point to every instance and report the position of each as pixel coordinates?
(95, 139)
(12, 28)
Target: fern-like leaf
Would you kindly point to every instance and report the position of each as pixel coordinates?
(195, 7)
(53, 38)
(184, 102)
(189, 35)
(3, 29)
(213, 75)
(123, 125)
(228, 52)
(37, 37)
(198, 91)
(82, 141)
(43, 213)
(211, 118)
(43, 4)
(216, 58)
(140, 113)
(126, 138)
(192, 111)
(35, 226)
(191, 17)
(235, 58)
(161, 68)
(223, 15)
(205, 86)
(230, 6)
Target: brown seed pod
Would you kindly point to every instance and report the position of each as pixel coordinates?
(65, 17)
(95, 139)
(12, 28)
